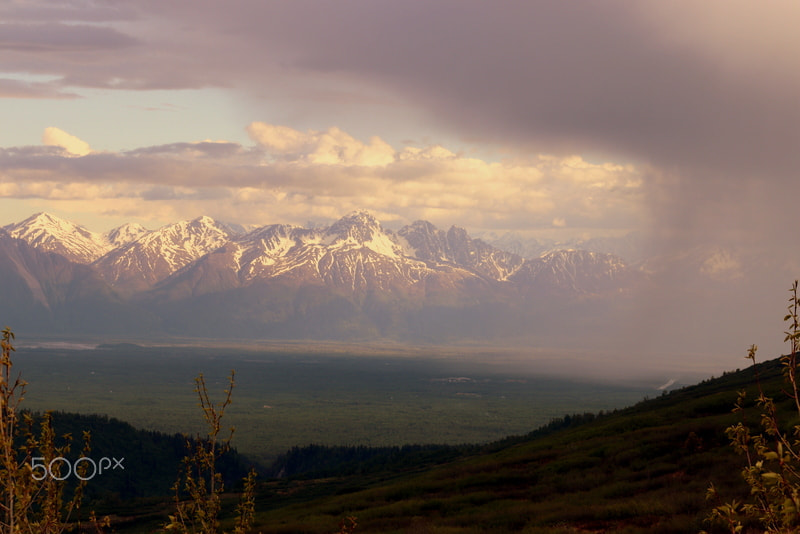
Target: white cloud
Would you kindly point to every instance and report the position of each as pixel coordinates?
(56, 137)
(298, 176)
(278, 139)
(331, 147)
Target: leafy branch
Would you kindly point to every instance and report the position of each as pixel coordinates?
(772, 467)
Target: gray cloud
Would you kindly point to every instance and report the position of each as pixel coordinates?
(20, 89)
(61, 38)
(205, 149)
(548, 76)
(556, 76)
(32, 11)
(170, 193)
(712, 107)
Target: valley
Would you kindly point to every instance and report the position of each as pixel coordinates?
(607, 463)
(330, 394)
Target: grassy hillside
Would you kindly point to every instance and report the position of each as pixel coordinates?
(642, 469)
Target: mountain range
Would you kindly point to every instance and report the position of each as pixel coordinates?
(353, 279)
(629, 245)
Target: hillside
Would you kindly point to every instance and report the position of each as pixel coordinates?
(135, 486)
(151, 459)
(642, 469)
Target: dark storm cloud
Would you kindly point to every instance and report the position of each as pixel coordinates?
(550, 76)
(717, 120)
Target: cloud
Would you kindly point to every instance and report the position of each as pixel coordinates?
(59, 37)
(33, 11)
(436, 183)
(332, 147)
(10, 88)
(700, 97)
(703, 96)
(634, 81)
(330, 172)
(55, 137)
(210, 150)
(646, 82)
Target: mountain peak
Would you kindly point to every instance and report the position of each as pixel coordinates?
(51, 233)
(359, 217)
(126, 233)
(360, 229)
(155, 255)
(422, 226)
(47, 220)
(351, 279)
(205, 220)
(359, 225)
(42, 216)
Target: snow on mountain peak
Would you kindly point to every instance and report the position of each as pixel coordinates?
(156, 255)
(184, 241)
(44, 221)
(127, 233)
(202, 256)
(360, 220)
(205, 220)
(53, 234)
(361, 229)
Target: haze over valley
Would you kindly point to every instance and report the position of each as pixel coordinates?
(352, 281)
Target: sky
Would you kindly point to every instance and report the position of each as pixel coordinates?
(680, 119)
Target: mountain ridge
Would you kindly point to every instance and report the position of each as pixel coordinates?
(351, 279)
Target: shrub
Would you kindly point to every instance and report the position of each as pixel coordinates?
(200, 486)
(771, 450)
(32, 501)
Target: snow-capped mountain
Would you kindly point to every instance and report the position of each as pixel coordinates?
(52, 234)
(628, 246)
(127, 233)
(153, 256)
(577, 272)
(355, 254)
(352, 278)
(455, 247)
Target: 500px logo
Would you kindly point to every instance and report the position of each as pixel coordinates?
(41, 469)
